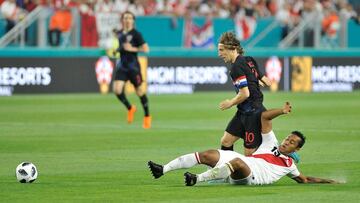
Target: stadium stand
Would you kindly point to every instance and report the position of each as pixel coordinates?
(292, 20)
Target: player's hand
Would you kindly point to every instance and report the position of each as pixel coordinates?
(287, 108)
(336, 182)
(226, 104)
(261, 84)
(128, 47)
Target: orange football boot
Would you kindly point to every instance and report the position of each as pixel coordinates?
(147, 122)
(130, 115)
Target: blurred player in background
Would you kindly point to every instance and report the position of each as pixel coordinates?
(128, 68)
(246, 78)
(268, 164)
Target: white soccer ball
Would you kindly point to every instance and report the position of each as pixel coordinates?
(26, 172)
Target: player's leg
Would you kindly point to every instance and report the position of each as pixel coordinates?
(136, 80)
(232, 133)
(228, 140)
(266, 123)
(230, 163)
(267, 116)
(253, 137)
(239, 169)
(118, 88)
(145, 103)
(209, 158)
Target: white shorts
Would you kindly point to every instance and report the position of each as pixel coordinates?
(256, 166)
(226, 156)
(245, 181)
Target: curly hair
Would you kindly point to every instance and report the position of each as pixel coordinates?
(229, 40)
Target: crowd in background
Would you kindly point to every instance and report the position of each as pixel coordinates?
(215, 8)
(288, 12)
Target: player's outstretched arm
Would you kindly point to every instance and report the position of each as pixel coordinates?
(307, 179)
(267, 116)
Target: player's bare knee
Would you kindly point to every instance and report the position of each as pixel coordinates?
(209, 157)
(139, 92)
(228, 139)
(117, 89)
(237, 164)
(118, 92)
(225, 141)
(239, 169)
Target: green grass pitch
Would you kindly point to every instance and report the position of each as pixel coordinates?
(86, 152)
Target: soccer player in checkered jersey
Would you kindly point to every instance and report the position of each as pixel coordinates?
(128, 68)
(245, 76)
(266, 165)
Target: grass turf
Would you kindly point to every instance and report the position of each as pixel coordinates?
(85, 151)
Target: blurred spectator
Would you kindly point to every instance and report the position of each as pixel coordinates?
(330, 28)
(121, 6)
(136, 8)
(288, 19)
(283, 16)
(346, 10)
(89, 34)
(164, 7)
(104, 6)
(149, 7)
(207, 7)
(179, 7)
(12, 13)
(223, 9)
(288, 12)
(29, 5)
(311, 11)
(245, 9)
(57, 4)
(60, 27)
(297, 5)
(192, 8)
(43, 2)
(273, 6)
(72, 3)
(327, 4)
(261, 9)
(20, 3)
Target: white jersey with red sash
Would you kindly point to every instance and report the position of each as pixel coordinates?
(267, 164)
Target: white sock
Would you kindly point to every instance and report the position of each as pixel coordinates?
(219, 172)
(185, 161)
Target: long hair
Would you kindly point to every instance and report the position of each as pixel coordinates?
(229, 40)
(127, 12)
